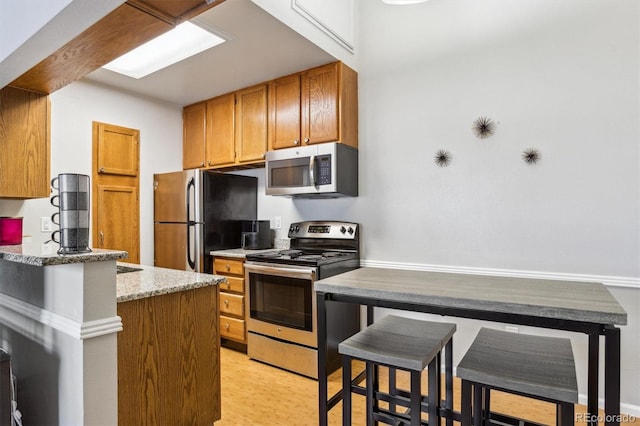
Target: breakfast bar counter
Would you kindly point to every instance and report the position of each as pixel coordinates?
(584, 307)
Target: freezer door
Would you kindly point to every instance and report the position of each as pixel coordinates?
(176, 196)
(178, 246)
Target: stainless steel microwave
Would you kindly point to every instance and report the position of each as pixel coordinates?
(325, 170)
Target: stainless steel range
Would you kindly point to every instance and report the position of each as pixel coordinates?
(282, 328)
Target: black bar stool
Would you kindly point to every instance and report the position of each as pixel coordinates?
(537, 367)
(398, 343)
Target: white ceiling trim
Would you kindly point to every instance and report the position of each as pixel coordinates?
(312, 11)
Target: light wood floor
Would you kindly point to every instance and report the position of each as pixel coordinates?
(257, 394)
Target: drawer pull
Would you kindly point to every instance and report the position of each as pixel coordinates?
(226, 303)
(227, 326)
(228, 285)
(279, 330)
(228, 267)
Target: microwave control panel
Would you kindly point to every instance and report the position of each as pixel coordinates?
(324, 170)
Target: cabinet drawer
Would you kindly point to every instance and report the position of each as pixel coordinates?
(231, 328)
(232, 304)
(228, 266)
(233, 284)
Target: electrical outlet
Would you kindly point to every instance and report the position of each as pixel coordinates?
(45, 224)
(278, 221)
(511, 329)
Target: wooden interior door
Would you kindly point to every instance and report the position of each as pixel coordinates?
(116, 189)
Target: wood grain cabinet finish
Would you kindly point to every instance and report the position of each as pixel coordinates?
(220, 135)
(24, 144)
(232, 299)
(194, 119)
(251, 124)
(169, 359)
(227, 131)
(316, 106)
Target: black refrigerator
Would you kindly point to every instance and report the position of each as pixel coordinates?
(197, 211)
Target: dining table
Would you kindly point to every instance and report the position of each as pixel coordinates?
(573, 306)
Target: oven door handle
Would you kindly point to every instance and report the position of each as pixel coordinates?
(304, 273)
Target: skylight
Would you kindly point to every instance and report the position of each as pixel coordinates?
(182, 42)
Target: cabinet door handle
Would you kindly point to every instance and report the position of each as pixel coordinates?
(306, 140)
(101, 238)
(202, 164)
(296, 142)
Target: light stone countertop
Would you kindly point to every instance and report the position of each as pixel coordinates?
(238, 253)
(565, 300)
(153, 281)
(46, 255)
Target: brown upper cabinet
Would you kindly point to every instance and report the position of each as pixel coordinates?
(226, 131)
(194, 133)
(316, 106)
(24, 144)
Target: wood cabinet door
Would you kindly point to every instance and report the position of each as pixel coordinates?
(24, 144)
(117, 150)
(284, 112)
(193, 135)
(251, 124)
(118, 227)
(220, 136)
(320, 107)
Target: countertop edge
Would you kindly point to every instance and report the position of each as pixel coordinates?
(152, 281)
(30, 254)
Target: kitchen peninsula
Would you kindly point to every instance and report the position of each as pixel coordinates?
(82, 338)
(168, 350)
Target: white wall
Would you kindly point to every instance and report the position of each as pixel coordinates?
(73, 109)
(562, 77)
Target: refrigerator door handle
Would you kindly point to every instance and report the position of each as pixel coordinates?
(190, 188)
(190, 260)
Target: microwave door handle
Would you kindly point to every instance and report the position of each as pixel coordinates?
(312, 163)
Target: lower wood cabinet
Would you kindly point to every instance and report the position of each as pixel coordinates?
(169, 359)
(233, 324)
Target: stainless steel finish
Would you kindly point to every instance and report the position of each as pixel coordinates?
(343, 178)
(307, 338)
(312, 164)
(296, 358)
(336, 230)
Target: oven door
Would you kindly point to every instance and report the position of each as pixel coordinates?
(281, 302)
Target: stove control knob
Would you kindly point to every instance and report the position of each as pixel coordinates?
(351, 231)
(297, 228)
(343, 229)
(291, 229)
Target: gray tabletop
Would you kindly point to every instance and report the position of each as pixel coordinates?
(563, 300)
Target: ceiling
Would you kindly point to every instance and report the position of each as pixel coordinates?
(259, 48)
